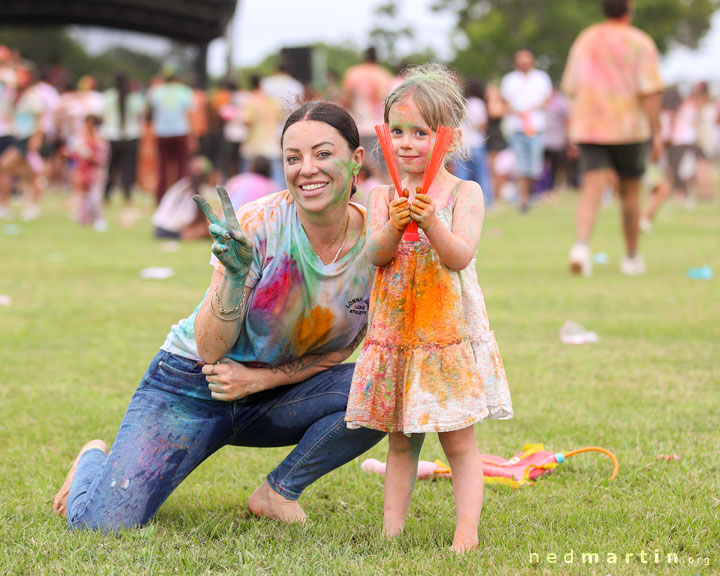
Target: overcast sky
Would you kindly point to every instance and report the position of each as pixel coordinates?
(262, 27)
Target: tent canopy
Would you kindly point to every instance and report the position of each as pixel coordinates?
(193, 21)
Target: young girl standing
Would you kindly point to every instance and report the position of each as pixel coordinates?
(430, 362)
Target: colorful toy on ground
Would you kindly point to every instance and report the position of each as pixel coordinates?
(523, 468)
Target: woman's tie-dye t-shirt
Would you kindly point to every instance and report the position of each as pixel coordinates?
(298, 305)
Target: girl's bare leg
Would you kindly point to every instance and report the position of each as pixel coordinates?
(467, 473)
(400, 475)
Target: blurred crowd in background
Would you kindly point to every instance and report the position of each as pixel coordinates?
(171, 140)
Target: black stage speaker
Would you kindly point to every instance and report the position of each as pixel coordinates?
(298, 62)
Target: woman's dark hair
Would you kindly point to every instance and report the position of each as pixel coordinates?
(332, 115)
(615, 8)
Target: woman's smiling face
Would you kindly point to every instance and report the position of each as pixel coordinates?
(318, 165)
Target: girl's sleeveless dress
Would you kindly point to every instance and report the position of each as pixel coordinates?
(430, 362)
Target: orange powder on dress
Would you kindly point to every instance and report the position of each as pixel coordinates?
(311, 331)
(432, 293)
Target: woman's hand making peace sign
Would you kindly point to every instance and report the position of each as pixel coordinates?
(231, 246)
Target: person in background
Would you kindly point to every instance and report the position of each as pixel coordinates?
(178, 217)
(8, 86)
(51, 145)
(198, 119)
(123, 117)
(495, 140)
(474, 126)
(262, 115)
(22, 158)
(85, 101)
(213, 148)
(526, 92)
(684, 150)
(253, 184)
(658, 178)
(556, 141)
(612, 77)
(707, 141)
(366, 181)
(170, 104)
(288, 92)
(90, 152)
(364, 87)
(235, 132)
(333, 90)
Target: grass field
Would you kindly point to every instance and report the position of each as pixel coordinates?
(83, 326)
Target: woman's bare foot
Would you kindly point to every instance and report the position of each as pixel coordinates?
(265, 502)
(60, 502)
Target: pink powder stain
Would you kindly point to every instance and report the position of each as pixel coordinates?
(286, 275)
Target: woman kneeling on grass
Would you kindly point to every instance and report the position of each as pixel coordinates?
(259, 361)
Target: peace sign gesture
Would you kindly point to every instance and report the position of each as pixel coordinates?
(231, 246)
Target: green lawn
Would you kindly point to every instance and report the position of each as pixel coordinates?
(83, 326)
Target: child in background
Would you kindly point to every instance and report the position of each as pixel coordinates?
(91, 153)
(366, 182)
(430, 362)
(253, 184)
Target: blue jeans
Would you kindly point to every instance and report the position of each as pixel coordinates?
(172, 425)
(477, 169)
(528, 150)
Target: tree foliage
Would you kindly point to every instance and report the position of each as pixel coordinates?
(387, 31)
(51, 47)
(490, 31)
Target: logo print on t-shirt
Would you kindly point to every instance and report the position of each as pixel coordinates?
(358, 306)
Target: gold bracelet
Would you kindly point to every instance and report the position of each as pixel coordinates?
(212, 309)
(224, 310)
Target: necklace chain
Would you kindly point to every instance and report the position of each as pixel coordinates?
(337, 254)
(347, 224)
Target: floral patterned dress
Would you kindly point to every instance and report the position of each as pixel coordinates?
(430, 362)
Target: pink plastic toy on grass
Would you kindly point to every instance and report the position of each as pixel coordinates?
(523, 468)
(425, 469)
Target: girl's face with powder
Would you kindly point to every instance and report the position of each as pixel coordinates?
(411, 136)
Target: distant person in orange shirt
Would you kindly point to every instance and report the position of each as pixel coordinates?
(613, 79)
(364, 88)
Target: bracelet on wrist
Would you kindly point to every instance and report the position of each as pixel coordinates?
(238, 310)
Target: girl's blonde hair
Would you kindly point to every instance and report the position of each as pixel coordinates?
(437, 92)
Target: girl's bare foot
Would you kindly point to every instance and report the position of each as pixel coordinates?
(60, 501)
(464, 542)
(265, 502)
(392, 528)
